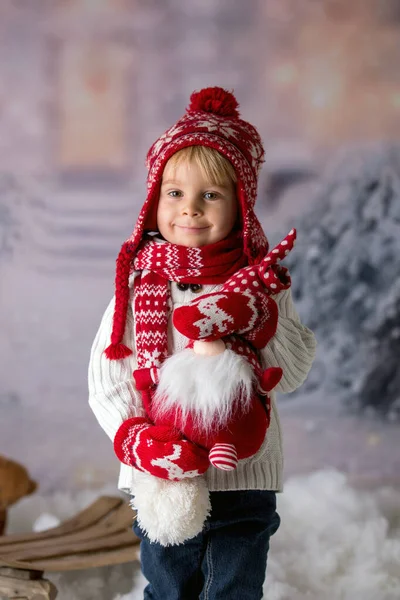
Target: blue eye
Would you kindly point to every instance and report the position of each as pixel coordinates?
(210, 195)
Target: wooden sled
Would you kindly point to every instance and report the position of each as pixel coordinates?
(100, 535)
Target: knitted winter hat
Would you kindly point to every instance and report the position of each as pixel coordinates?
(211, 119)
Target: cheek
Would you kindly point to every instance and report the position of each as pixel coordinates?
(164, 215)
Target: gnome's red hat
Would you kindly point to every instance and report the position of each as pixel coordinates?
(211, 119)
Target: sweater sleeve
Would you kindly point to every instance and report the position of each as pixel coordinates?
(292, 348)
(112, 393)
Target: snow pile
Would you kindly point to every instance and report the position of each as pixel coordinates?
(335, 543)
(346, 273)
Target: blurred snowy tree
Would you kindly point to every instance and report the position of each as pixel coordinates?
(346, 273)
(379, 385)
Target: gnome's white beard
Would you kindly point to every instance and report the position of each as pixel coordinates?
(206, 387)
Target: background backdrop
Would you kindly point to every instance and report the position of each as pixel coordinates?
(85, 88)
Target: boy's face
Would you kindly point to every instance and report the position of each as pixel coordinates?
(193, 212)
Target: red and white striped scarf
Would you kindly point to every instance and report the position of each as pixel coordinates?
(158, 263)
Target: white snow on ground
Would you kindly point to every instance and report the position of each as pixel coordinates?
(336, 542)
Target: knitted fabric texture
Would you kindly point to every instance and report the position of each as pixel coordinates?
(244, 298)
(243, 305)
(157, 264)
(212, 119)
(159, 451)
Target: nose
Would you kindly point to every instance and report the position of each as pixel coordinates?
(192, 206)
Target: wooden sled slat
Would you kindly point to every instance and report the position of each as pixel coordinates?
(13, 588)
(117, 521)
(124, 538)
(89, 516)
(78, 562)
(100, 535)
(88, 561)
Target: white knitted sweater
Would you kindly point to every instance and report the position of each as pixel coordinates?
(113, 397)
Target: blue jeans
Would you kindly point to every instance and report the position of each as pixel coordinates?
(226, 561)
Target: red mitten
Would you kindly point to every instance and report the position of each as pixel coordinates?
(243, 305)
(220, 314)
(158, 450)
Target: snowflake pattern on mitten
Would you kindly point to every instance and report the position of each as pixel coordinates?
(159, 450)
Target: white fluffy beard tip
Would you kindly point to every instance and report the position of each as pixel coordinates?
(170, 512)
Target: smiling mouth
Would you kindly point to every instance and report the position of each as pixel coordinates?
(191, 229)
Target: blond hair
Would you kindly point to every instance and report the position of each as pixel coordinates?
(213, 166)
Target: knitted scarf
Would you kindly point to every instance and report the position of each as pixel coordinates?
(159, 262)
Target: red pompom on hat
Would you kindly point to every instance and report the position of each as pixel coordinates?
(212, 119)
(214, 100)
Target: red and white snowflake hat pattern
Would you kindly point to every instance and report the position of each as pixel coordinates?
(211, 119)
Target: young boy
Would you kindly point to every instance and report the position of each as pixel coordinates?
(197, 228)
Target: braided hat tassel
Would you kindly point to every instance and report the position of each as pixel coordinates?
(117, 350)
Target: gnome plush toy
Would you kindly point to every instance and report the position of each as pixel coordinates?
(214, 393)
